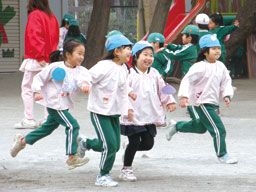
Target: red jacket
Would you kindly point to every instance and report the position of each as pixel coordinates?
(41, 35)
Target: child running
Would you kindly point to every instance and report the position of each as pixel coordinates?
(216, 26)
(205, 82)
(147, 110)
(108, 99)
(53, 88)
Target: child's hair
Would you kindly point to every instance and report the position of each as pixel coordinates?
(56, 56)
(201, 55)
(201, 26)
(111, 55)
(217, 19)
(42, 5)
(64, 22)
(161, 45)
(69, 47)
(195, 38)
(73, 30)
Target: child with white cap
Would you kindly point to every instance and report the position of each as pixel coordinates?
(201, 88)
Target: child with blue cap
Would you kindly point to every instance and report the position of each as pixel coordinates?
(53, 88)
(201, 88)
(147, 111)
(108, 99)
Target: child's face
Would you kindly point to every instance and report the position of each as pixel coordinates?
(145, 59)
(186, 39)
(77, 57)
(124, 54)
(213, 55)
(212, 25)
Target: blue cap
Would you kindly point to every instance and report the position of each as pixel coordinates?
(68, 17)
(209, 40)
(58, 74)
(140, 45)
(116, 41)
(114, 32)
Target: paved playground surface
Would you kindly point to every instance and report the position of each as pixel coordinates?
(185, 164)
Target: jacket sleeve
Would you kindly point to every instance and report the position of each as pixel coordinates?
(34, 36)
(226, 30)
(164, 98)
(41, 79)
(173, 47)
(98, 72)
(180, 54)
(226, 85)
(84, 77)
(194, 74)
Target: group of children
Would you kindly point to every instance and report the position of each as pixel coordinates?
(131, 101)
(186, 54)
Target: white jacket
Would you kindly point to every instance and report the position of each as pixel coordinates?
(109, 93)
(205, 82)
(148, 108)
(58, 94)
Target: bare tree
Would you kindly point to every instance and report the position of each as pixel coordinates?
(160, 16)
(97, 30)
(247, 19)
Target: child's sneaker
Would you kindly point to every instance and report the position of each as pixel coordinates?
(26, 124)
(17, 146)
(227, 159)
(171, 130)
(81, 148)
(105, 181)
(127, 175)
(76, 161)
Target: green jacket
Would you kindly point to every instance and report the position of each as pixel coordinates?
(185, 54)
(164, 60)
(221, 32)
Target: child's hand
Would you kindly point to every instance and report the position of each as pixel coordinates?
(183, 102)
(227, 101)
(85, 88)
(236, 23)
(171, 107)
(133, 96)
(130, 115)
(38, 96)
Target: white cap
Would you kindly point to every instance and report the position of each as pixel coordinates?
(202, 18)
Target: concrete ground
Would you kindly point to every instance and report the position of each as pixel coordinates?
(185, 164)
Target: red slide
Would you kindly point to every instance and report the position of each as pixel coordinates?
(177, 18)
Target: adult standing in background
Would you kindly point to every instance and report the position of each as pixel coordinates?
(41, 38)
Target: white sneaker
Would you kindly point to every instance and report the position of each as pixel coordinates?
(17, 145)
(227, 159)
(81, 148)
(26, 124)
(171, 130)
(105, 181)
(127, 175)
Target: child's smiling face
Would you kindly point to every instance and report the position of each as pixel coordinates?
(145, 59)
